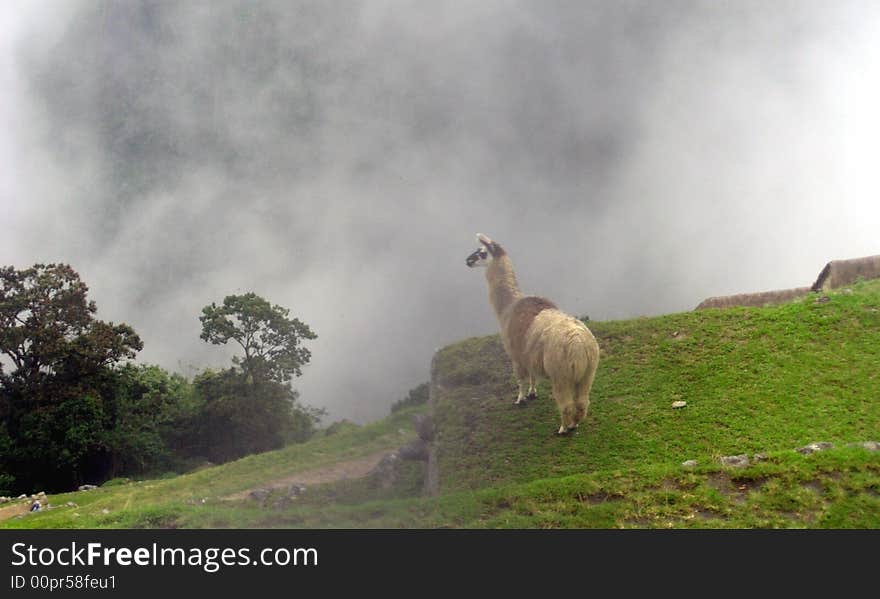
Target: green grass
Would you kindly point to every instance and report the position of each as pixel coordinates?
(839, 488)
(755, 380)
(160, 502)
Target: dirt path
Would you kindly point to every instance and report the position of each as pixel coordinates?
(10, 511)
(355, 468)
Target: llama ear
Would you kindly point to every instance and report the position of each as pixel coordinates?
(484, 240)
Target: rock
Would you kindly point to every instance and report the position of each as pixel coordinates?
(689, 463)
(424, 427)
(814, 447)
(822, 300)
(417, 450)
(679, 404)
(22, 496)
(759, 457)
(735, 461)
(282, 502)
(869, 445)
(386, 470)
(105, 511)
(86, 487)
(5, 499)
(295, 490)
(71, 504)
(259, 495)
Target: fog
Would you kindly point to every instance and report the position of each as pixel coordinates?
(338, 158)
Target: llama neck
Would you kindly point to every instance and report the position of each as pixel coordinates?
(503, 289)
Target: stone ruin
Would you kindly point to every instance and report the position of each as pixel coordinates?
(836, 273)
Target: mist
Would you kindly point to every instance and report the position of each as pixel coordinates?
(337, 158)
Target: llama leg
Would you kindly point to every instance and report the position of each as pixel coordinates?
(521, 375)
(564, 395)
(570, 417)
(580, 411)
(520, 398)
(582, 397)
(533, 391)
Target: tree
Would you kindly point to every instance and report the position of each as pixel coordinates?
(48, 328)
(51, 401)
(145, 409)
(7, 479)
(271, 341)
(251, 407)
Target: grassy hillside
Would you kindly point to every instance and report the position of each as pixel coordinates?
(756, 380)
(192, 499)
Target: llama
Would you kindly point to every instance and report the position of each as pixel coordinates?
(540, 340)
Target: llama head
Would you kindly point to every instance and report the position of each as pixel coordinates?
(484, 254)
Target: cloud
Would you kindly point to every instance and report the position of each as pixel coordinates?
(338, 157)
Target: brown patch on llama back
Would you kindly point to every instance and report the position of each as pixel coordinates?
(522, 314)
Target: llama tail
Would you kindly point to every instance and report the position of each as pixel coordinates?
(571, 361)
(570, 351)
(582, 357)
(570, 355)
(581, 354)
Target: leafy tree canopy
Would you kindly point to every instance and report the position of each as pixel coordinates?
(48, 328)
(272, 342)
(55, 399)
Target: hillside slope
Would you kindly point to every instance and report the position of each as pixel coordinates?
(756, 381)
(212, 496)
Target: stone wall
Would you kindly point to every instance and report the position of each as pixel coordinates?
(765, 298)
(836, 273)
